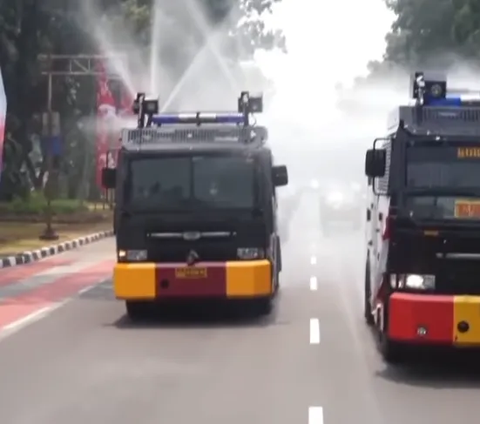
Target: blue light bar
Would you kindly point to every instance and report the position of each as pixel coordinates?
(199, 118)
(448, 102)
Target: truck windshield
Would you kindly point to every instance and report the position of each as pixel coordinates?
(443, 167)
(185, 183)
(443, 182)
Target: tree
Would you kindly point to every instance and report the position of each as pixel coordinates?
(425, 34)
(22, 27)
(31, 27)
(433, 33)
(466, 26)
(422, 28)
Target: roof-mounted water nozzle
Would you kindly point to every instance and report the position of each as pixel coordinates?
(248, 105)
(149, 108)
(427, 88)
(145, 107)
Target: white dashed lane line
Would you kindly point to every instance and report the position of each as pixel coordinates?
(315, 415)
(34, 316)
(314, 331)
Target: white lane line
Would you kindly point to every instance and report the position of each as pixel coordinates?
(88, 288)
(34, 316)
(315, 415)
(313, 260)
(314, 331)
(313, 283)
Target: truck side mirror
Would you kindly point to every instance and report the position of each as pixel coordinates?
(280, 175)
(375, 163)
(109, 178)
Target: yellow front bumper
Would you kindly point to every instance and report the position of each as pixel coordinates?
(148, 281)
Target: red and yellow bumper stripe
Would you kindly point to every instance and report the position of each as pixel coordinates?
(431, 319)
(148, 281)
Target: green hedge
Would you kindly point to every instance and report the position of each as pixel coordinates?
(37, 205)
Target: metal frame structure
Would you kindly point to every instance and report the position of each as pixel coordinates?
(80, 65)
(74, 65)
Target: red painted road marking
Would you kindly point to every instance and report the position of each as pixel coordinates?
(19, 307)
(21, 272)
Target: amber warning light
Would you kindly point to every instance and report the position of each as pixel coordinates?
(468, 152)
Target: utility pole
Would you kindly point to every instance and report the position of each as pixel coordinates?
(63, 66)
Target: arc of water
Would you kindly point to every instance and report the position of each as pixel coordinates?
(210, 47)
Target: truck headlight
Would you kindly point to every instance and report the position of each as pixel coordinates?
(418, 282)
(132, 255)
(250, 253)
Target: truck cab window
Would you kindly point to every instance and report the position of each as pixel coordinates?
(156, 181)
(224, 181)
(440, 167)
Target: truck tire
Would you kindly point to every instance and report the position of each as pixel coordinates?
(262, 307)
(367, 293)
(279, 252)
(392, 352)
(276, 284)
(136, 311)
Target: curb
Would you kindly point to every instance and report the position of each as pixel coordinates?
(45, 252)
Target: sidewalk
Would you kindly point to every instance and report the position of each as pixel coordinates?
(32, 290)
(20, 243)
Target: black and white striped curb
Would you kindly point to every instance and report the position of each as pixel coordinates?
(35, 255)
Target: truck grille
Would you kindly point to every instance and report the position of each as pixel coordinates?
(177, 251)
(458, 277)
(454, 258)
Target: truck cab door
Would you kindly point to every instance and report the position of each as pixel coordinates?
(374, 231)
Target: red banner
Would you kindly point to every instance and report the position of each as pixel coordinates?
(112, 106)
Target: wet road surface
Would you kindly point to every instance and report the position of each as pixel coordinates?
(75, 358)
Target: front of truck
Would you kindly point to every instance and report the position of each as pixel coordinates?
(193, 224)
(437, 244)
(195, 220)
(433, 229)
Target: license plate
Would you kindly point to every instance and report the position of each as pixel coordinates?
(467, 209)
(190, 272)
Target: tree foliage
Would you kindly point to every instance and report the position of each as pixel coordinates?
(426, 34)
(32, 27)
(433, 32)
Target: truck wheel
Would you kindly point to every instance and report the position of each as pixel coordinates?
(136, 311)
(367, 293)
(392, 352)
(276, 284)
(262, 307)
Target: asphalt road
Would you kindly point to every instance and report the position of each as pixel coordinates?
(312, 361)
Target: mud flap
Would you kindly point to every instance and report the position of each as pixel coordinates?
(391, 351)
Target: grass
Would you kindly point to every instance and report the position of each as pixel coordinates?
(37, 205)
(22, 222)
(17, 237)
